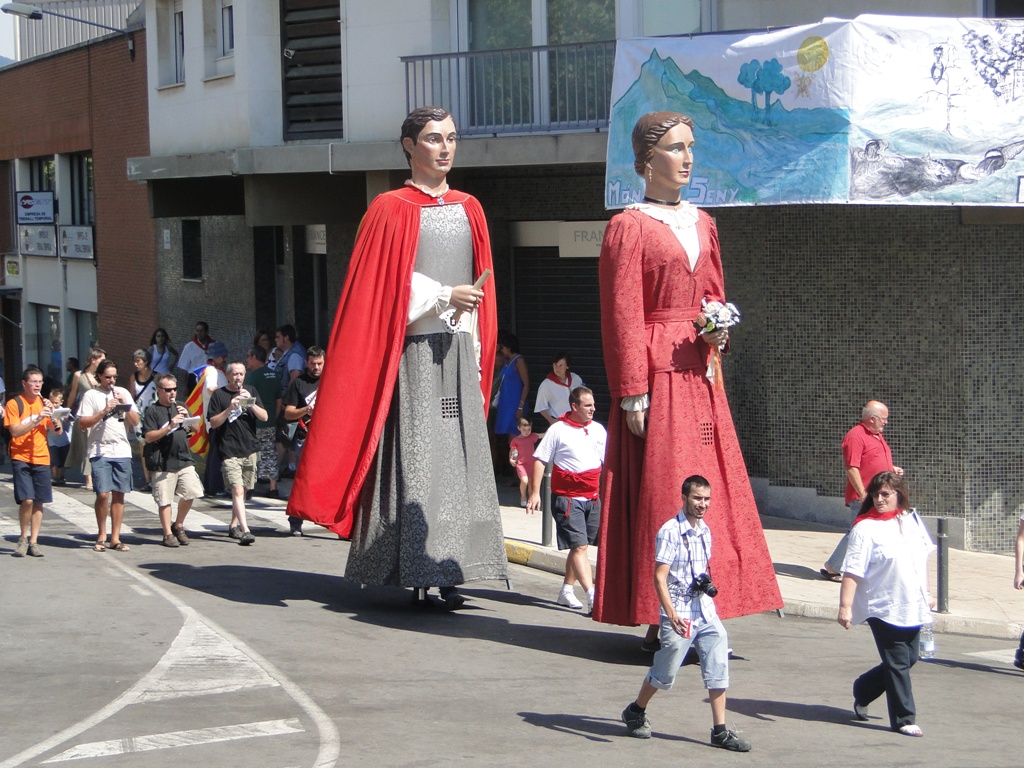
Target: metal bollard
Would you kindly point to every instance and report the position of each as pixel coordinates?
(942, 566)
(547, 523)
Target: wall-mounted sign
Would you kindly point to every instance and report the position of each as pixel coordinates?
(316, 238)
(76, 242)
(34, 207)
(37, 241)
(580, 239)
(13, 268)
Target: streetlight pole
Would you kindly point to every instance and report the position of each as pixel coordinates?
(36, 13)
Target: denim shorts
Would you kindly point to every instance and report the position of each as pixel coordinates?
(712, 643)
(31, 481)
(111, 475)
(576, 521)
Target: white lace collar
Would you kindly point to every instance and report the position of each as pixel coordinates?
(683, 217)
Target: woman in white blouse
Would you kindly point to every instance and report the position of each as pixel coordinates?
(885, 583)
(553, 393)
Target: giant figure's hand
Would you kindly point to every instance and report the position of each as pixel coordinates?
(636, 421)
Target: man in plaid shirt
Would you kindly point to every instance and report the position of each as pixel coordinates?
(688, 617)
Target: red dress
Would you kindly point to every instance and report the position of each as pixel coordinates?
(689, 427)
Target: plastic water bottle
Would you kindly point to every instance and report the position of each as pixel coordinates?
(927, 643)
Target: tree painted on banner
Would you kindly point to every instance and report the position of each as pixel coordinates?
(765, 79)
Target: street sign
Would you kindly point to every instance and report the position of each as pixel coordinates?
(76, 242)
(34, 207)
(37, 241)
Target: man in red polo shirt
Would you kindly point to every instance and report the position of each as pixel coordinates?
(865, 454)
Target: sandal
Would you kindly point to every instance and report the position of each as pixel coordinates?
(911, 730)
(829, 576)
(99, 546)
(118, 546)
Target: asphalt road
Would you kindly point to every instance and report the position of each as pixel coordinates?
(221, 655)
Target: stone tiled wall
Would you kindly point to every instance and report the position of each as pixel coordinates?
(224, 297)
(903, 304)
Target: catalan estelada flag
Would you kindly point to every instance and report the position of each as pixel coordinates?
(199, 440)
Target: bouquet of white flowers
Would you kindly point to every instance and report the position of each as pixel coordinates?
(716, 316)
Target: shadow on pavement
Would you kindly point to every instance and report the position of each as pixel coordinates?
(797, 572)
(391, 607)
(761, 709)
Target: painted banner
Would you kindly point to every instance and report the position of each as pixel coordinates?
(892, 110)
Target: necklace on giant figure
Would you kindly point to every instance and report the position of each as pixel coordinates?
(662, 202)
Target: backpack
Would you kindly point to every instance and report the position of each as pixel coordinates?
(4, 431)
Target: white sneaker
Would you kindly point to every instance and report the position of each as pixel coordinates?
(568, 599)
(589, 607)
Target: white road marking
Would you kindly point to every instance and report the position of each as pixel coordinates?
(141, 590)
(158, 680)
(1000, 656)
(273, 517)
(200, 662)
(10, 526)
(178, 739)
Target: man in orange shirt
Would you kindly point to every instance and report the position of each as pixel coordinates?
(27, 417)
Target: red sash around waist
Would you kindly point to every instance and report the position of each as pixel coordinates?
(577, 485)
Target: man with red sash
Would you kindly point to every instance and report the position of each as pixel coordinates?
(575, 447)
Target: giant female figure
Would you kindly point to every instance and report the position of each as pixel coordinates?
(658, 261)
(397, 456)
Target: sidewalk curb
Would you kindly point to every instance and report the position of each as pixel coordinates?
(544, 559)
(532, 556)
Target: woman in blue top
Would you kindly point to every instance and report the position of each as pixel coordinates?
(515, 385)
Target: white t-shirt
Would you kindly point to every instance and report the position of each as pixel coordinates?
(891, 559)
(573, 449)
(108, 438)
(554, 398)
(192, 356)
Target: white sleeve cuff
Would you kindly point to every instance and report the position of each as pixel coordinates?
(636, 402)
(427, 296)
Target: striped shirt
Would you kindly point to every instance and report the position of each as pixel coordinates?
(686, 550)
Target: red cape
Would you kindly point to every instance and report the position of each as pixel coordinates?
(361, 365)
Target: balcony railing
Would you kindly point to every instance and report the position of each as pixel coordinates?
(517, 90)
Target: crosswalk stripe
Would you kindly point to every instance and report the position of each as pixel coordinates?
(178, 739)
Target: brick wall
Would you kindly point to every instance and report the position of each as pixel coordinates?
(94, 98)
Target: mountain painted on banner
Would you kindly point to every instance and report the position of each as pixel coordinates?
(740, 157)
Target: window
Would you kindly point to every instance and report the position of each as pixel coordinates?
(311, 54)
(558, 87)
(83, 206)
(1004, 9)
(49, 356)
(41, 172)
(191, 250)
(178, 43)
(670, 17)
(227, 27)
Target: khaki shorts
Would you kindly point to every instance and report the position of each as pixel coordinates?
(240, 472)
(185, 484)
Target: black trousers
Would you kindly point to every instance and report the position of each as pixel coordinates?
(897, 647)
